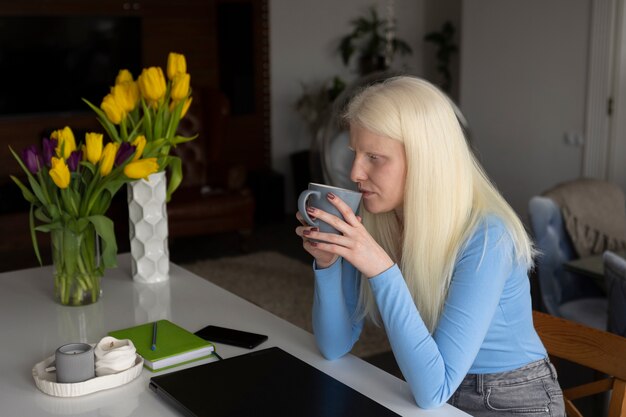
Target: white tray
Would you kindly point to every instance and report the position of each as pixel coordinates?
(46, 381)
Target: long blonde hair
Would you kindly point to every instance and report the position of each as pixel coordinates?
(446, 194)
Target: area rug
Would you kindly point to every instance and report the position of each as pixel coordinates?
(281, 285)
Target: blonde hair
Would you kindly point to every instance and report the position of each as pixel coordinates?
(446, 195)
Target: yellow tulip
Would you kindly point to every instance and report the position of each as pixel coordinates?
(94, 147)
(123, 76)
(66, 144)
(83, 149)
(176, 64)
(152, 84)
(59, 172)
(141, 168)
(180, 86)
(140, 144)
(113, 109)
(126, 95)
(108, 158)
(183, 111)
(185, 107)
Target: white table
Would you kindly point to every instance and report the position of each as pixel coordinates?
(33, 325)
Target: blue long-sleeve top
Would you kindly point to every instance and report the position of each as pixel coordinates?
(485, 326)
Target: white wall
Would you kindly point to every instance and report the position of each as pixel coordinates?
(523, 86)
(303, 37)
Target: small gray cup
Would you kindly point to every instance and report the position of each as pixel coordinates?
(315, 196)
(75, 362)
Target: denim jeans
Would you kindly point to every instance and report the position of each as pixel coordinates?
(532, 390)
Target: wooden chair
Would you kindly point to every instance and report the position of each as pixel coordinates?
(595, 349)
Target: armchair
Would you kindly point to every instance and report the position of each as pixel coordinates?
(563, 294)
(615, 278)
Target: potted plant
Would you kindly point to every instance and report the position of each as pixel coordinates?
(369, 40)
(444, 41)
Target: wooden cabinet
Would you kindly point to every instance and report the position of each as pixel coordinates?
(226, 46)
(191, 27)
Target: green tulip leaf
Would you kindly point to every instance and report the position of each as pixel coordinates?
(104, 121)
(40, 215)
(33, 235)
(36, 187)
(158, 123)
(28, 196)
(176, 175)
(147, 121)
(177, 140)
(46, 228)
(174, 119)
(106, 231)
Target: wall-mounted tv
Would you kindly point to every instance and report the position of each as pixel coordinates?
(47, 64)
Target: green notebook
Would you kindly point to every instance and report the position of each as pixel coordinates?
(175, 345)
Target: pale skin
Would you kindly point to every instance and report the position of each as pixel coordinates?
(379, 170)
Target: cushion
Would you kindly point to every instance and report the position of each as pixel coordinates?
(594, 213)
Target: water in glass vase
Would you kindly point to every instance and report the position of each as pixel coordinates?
(77, 266)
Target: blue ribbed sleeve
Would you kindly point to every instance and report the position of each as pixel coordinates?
(485, 326)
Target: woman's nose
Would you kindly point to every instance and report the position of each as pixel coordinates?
(357, 174)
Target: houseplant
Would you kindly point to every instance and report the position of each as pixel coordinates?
(444, 41)
(70, 189)
(372, 40)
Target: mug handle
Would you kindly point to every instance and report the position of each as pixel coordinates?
(304, 196)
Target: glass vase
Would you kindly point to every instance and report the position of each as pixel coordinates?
(77, 270)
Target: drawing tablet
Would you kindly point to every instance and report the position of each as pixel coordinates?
(268, 382)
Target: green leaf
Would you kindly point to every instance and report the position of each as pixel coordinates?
(68, 202)
(106, 231)
(91, 167)
(147, 121)
(49, 227)
(28, 196)
(105, 122)
(103, 203)
(177, 140)
(40, 215)
(152, 148)
(31, 180)
(33, 236)
(172, 124)
(36, 187)
(81, 224)
(176, 175)
(158, 122)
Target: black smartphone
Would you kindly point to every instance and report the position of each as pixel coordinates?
(231, 336)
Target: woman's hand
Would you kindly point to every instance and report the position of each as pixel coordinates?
(322, 259)
(355, 244)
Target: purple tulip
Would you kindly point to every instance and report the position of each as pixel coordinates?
(32, 159)
(74, 160)
(49, 150)
(123, 153)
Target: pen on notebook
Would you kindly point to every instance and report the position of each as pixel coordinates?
(154, 336)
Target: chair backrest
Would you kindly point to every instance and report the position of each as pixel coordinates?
(615, 279)
(595, 349)
(551, 239)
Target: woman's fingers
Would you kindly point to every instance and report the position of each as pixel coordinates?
(330, 219)
(343, 208)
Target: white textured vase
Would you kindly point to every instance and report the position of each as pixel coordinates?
(147, 214)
